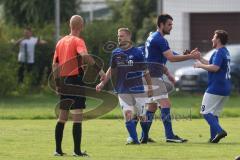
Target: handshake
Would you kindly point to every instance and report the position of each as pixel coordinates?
(194, 54)
(199, 61)
(186, 52)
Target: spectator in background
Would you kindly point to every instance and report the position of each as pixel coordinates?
(27, 52)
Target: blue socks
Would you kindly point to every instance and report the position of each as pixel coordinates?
(147, 125)
(166, 118)
(213, 123)
(212, 131)
(131, 127)
(145, 129)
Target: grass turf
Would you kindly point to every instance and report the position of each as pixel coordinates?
(105, 140)
(42, 106)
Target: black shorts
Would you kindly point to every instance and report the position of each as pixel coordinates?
(72, 93)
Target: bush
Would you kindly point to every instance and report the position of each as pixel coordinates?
(96, 35)
(8, 67)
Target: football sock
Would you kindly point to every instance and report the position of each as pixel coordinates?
(212, 131)
(217, 118)
(146, 127)
(131, 127)
(166, 118)
(213, 123)
(58, 136)
(135, 119)
(77, 137)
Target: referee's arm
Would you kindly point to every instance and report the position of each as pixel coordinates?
(88, 59)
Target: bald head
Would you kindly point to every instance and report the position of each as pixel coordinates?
(76, 22)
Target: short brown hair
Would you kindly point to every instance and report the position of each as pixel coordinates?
(163, 19)
(125, 30)
(222, 35)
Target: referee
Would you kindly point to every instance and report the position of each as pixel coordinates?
(69, 56)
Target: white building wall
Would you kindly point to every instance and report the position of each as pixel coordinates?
(180, 9)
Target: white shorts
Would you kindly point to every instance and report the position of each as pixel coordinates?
(160, 90)
(212, 103)
(133, 102)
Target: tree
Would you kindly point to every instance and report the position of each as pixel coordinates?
(36, 12)
(133, 13)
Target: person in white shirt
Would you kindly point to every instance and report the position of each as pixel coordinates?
(26, 52)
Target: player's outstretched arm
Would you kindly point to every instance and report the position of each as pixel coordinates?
(194, 54)
(100, 86)
(88, 59)
(19, 41)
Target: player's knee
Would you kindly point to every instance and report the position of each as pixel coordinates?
(62, 120)
(152, 107)
(128, 115)
(77, 118)
(77, 115)
(142, 118)
(165, 103)
(63, 116)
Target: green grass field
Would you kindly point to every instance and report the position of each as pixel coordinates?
(42, 106)
(27, 132)
(105, 140)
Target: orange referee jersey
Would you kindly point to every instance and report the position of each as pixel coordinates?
(67, 50)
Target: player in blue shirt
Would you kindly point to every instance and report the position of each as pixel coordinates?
(127, 69)
(157, 53)
(219, 84)
(150, 106)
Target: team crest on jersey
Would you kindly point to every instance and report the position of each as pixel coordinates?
(130, 62)
(130, 57)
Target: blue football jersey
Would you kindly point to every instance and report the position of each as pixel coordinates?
(155, 46)
(219, 82)
(127, 67)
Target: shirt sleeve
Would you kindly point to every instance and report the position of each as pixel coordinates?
(35, 40)
(161, 44)
(217, 59)
(175, 53)
(81, 47)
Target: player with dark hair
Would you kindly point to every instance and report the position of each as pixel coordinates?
(219, 84)
(70, 72)
(157, 53)
(128, 68)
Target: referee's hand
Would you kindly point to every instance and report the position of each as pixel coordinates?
(99, 87)
(103, 77)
